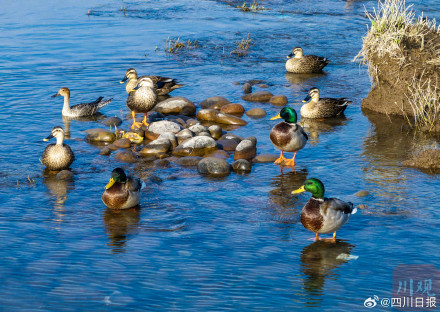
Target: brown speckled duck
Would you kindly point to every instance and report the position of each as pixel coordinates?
(322, 107)
(320, 214)
(162, 85)
(305, 64)
(57, 156)
(142, 99)
(122, 191)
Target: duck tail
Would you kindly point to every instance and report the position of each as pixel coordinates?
(104, 103)
(353, 209)
(177, 86)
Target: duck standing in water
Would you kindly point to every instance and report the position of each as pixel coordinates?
(122, 191)
(287, 136)
(142, 99)
(305, 64)
(320, 214)
(80, 110)
(322, 107)
(57, 156)
(162, 85)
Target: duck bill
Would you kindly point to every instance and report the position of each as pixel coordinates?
(300, 190)
(135, 88)
(48, 138)
(124, 80)
(308, 97)
(290, 55)
(276, 117)
(110, 183)
(55, 95)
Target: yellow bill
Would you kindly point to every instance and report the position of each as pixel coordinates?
(300, 190)
(276, 117)
(45, 139)
(110, 183)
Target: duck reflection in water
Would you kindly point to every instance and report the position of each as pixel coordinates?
(316, 127)
(58, 190)
(67, 120)
(318, 261)
(120, 225)
(303, 81)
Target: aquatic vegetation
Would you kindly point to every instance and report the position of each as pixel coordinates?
(242, 46)
(174, 45)
(253, 7)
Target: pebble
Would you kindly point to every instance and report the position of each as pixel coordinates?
(196, 146)
(231, 136)
(241, 165)
(260, 96)
(162, 163)
(105, 151)
(218, 117)
(163, 126)
(253, 82)
(122, 143)
(100, 135)
(188, 161)
(247, 88)
(175, 106)
(214, 166)
(112, 122)
(279, 100)
(171, 137)
(265, 158)
(256, 113)
(157, 146)
(362, 193)
(246, 149)
(125, 156)
(218, 154)
(227, 145)
(233, 109)
(214, 102)
(197, 128)
(216, 131)
(263, 85)
(184, 135)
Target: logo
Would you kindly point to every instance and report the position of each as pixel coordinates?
(371, 302)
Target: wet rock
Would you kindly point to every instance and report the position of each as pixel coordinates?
(112, 147)
(263, 85)
(216, 131)
(196, 146)
(155, 116)
(157, 146)
(428, 159)
(214, 102)
(196, 129)
(213, 166)
(162, 163)
(241, 166)
(362, 193)
(65, 175)
(218, 117)
(253, 82)
(122, 143)
(260, 96)
(175, 106)
(204, 133)
(256, 113)
(279, 100)
(171, 137)
(192, 122)
(161, 155)
(230, 136)
(112, 122)
(155, 179)
(164, 126)
(227, 145)
(100, 135)
(233, 109)
(188, 161)
(218, 154)
(184, 135)
(247, 88)
(246, 149)
(362, 206)
(151, 135)
(105, 151)
(125, 156)
(252, 139)
(265, 158)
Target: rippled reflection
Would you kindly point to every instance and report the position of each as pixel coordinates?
(318, 260)
(303, 82)
(66, 120)
(120, 224)
(315, 127)
(58, 189)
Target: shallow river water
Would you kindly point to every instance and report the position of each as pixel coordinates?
(198, 243)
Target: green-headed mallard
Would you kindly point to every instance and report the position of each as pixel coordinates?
(287, 136)
(320, 214)
(57, 156)
(324, 107)
(162, 85)
(122, 191)
(80, 110)
(142, 99)
(305, 64)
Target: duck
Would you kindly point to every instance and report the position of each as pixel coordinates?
(323, 215)
(287, 136)
(80, 110)
(142, 99)
(162, 85)
(305, 64)
(322, 107)
(122, 191)
(57, 156)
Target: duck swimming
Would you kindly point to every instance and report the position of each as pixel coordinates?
(287, 136)
(320, 214)
(305, 64)
(122, 191)
(57, 156)
(80, 110)
(162, 85)
(142, 99)
(322, 107)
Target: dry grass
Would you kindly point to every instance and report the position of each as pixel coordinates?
(174, 45)
(253, 7)
(242, 46)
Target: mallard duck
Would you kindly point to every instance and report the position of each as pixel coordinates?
(57, 156)
(324, 107)
(287, 136)
(80, 110)
(320, 214)
(162, 85)
(142, 99)
(122, 191)
(304, 64)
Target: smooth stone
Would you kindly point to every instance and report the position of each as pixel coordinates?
(232, 109)
(163, 126)
(151, 135)
(169, 136)
(246, 149)
(161, 155)
(112, 147)
(204, 133)
(252, 139)
(218, 154)
(196, 129)
(218, 117)
(260, 96)
(105, 151)
(196, 146)
(227, 145)
(231, 136)
(362, 206)
(100, 135)
(362, 193)
(192, 122)
(253, 82)
(256, 113)
(247, 88)
(241, 165)
(213, 166)
(175, 106)
(122, 143)
(265, 158)
(279, 100)
(112, 122)
(184, 135)
(263, 85)
(125, 156)
(216, 131)
(162, 163)
(157, 146)
(65, 175)
(188, 161)
(215, 102)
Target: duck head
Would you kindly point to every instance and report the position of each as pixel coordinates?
(63, 92)
(312, 95)
(118, 175)
(296, 52)
(57, 132)
(129, 74)
(314, 186)
(144, 82)
(288, 114)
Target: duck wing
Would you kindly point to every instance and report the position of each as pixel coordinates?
(133, 184)
(88, 109)
(164, 85)
(332, 107)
